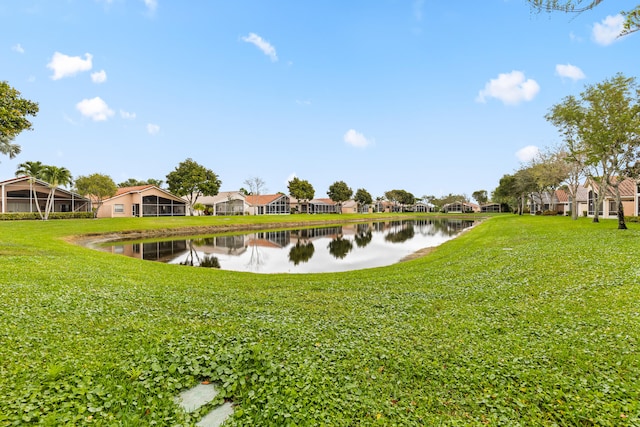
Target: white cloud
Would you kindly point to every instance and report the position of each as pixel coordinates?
(262, 44)
(153, 129)
(303, 102)
(99, 76)
(290, 177)
(527, 153)
(17, 48)
(127, 115)
(66, 66)
(152, 5)
(569, 71)
(95, 108)
(607, 31)
(510, 88)
(356, 139)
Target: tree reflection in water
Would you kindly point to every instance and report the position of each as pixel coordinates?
(194, 260)
(301, 252)
(340, 247)
(406, 233)
(363, 235)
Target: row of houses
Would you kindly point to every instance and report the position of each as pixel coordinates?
(24, 194)
(586, 199)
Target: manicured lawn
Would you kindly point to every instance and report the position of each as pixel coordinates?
(520, 321)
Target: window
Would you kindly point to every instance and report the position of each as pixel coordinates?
(613, 207)
(118, 208)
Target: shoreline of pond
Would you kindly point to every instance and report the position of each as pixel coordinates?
(91, 238)
(96, 241)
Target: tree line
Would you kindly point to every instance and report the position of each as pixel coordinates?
(600, 131)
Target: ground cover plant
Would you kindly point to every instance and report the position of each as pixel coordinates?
(526, 320)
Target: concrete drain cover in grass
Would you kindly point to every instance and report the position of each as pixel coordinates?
(192, 399)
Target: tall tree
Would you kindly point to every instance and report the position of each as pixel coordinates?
(339, 192)
(632, 16)
(439, 202)
(400, 197)
(566, 117)
(34, 171)
(98, 187)
(480, 196)
(548, 170)
(30, 169)
(256, 185)
(193, 180)
(54, 176)
(132, 182)
(362, 198)
(301, 189)
(606, 118)
(13, 118)
(515, 189)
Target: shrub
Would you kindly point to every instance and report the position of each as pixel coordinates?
(19, 216)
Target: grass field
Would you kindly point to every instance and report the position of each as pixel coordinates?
(521, 321)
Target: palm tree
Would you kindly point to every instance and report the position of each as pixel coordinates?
(30, 169)
(8, 148)
(34, 171)
(54, 176)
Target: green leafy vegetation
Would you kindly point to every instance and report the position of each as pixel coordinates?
(523, 320)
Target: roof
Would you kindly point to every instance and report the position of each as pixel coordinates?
(628, 187)
(323, 201)
(135, 189)
(41, 183)
(263, 199)
(222, 196)
(123, 191)
(563, 196)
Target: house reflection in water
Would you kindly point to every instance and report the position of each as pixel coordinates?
(322, 249)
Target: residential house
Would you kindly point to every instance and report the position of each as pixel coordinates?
(460, 207)
(224, 203)
(268, 204)
(490, 207)
(422, 207)
(26, 194)
(609, 208)
(142, 200)
(314, 206)
(351, 206)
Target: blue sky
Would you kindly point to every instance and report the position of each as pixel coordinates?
(427, 96)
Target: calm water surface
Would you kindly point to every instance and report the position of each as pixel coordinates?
(304, 250)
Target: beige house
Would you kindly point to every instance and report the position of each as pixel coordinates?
(142, 200)
(268, 204)
(608, 208)
(25, 194)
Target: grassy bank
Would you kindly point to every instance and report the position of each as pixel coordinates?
(521, 321)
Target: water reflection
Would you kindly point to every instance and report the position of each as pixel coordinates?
(306, 250)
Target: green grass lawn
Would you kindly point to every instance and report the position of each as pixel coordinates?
(521, 321)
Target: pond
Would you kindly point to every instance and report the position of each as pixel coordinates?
(304, 250)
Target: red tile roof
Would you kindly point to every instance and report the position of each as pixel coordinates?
(562, 196)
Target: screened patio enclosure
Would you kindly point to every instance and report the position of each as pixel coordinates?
(153, 205)
(27, 195)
